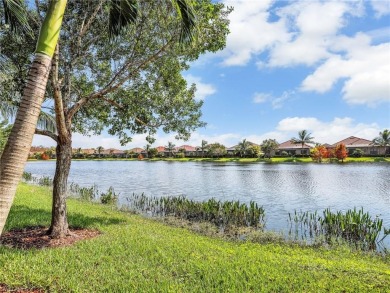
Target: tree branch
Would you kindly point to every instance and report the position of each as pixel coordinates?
(110, 87)
(47, 133)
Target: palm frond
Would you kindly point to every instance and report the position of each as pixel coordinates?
(47, 122)
(7, 111)
(15, 14)
(122, 13)
(186, 12)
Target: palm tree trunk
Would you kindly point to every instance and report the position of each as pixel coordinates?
(16, 151)
(18, 146)
(59, 223)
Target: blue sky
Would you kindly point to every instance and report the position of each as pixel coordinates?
(323, 66)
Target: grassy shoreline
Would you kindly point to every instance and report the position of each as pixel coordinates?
(244, 160)
(135, 254)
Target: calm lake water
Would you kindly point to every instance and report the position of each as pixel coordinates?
(280, 188)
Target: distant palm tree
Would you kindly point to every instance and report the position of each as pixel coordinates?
(303, 138)
(383, 139)
(147, 149)
(170, 148)
(100, 149)
(126, 152)
(203, 147)
(242, 147)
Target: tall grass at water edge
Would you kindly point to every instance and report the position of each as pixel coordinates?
(356, 227)
(221, 213)
(91, 193)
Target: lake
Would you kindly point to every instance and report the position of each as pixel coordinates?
(280, 188)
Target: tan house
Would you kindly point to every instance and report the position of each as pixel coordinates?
(367, 146)
(189, 151)
(293, 149)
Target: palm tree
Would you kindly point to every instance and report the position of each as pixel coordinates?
(99, 150)
(15, 152)
(147, 149)
(122, 13)
(126, 152)
(203, 146)
(302, 139)
(14, 14)
(242, 147)
(79, 152)
(170, 148)
(383, 140)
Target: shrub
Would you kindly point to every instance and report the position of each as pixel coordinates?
(358, 153)
(109, 197)
(27, 176)
(45, 156)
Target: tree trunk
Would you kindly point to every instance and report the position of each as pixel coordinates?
(59, 222)
(16, 151)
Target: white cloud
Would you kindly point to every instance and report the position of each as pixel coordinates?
(259, 98)
(309, 33)
(328, 132)
(202, 89)
(381, 7)
(250, 31)
(276, 102)
(40, 140)
(365, 71)
(227, 139)
(312, 24)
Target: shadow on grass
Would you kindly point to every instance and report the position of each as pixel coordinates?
(22, 216)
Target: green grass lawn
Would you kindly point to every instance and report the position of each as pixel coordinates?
(135, 254)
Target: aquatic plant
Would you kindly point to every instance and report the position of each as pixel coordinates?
(354, 226)
(27, 176)
(84, 193)
(109, 197)
(45, 181)
(220, 213)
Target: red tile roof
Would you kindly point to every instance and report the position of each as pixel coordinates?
(137, 150)
(354, 141)
(160, 149)
(289, 145)
(187, 148)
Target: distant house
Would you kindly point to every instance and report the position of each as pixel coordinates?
(160, 150)
(189, 151)
(367, 146)
(293, 149)
(136, 151)
(232, 151)
(88, 152)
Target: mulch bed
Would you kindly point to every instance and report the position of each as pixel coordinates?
(36, 237)
(4, 288)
